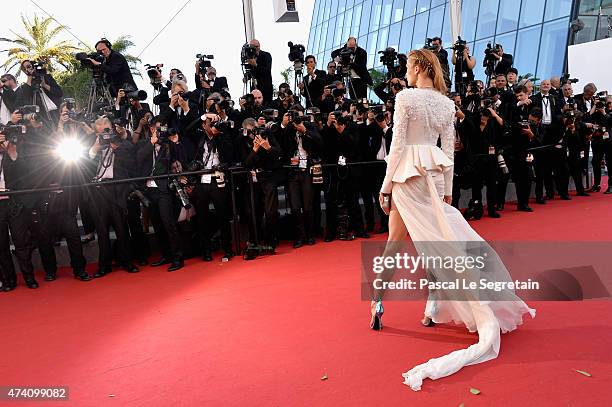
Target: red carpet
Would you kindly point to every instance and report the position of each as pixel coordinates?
(264, 333)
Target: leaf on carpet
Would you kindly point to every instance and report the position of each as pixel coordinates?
(582, 372)
(324, 376)
(474, 391)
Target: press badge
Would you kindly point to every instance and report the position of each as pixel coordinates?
(582, 154)
(491, 150)
(303, 162)
(341, 160)
(253, 176)
(606, 136)
(529, 158)
(464, 74)
(206, 178)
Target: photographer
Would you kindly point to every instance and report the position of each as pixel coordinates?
(261, 154)
(115, 159)
(115, 67)
(251, 104)
(162, 154)
(357, 69)
(600, 123)
(464, 64)
(395, 85)
(261, 64)
(585, 102)
(163, 98)
(301, 145)
(332, 75)
(314, 81)
(576, 136)
(180, 115)
(496, 61)
(435, 46)
(8, 99)
(334, 99)
(216, 83)
(13, 217)
(38, 79)
(130, 108)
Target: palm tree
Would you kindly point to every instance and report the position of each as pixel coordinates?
(39, 45)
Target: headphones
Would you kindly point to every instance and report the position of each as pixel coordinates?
(105, 42)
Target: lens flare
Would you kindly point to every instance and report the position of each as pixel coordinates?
(70, 150)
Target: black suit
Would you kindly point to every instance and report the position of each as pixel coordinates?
(117, 72)
(503, 65)
(313, 88)
(546, 158)
(263, 75)
(359, 65)
(110, 204)
(25, 93)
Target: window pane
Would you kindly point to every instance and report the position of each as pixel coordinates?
(339, 25)
(531, 13)
(435, 22)
(406, 37)
(446, 33)
(557, 8)
(588, 32)
(372, 42)
(365, 18)
(423, 6)
(346, 32)
(552, 48)
(327, 10)
(478, 51)
(331, 30)
(487, 18)
(382, 39)
(409, 8)
(356, 20)
(349, 3)
(435, 3)
(333, 7)
(323, 37)
(375, 16)
(420, 30)
(589, 7)
(341, 6)
(508, 16)
(394, 35)
(310, 40)
(526, 53)
(315, 12)
(398, 11)
(385, 19)
(469, 12)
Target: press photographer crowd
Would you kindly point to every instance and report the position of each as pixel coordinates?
(201, 166)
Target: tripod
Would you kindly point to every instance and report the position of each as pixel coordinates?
(38, 97)
(249, 80)
(299, 78)
(460, 85)
(98, 93)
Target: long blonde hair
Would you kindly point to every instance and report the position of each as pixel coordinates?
(429, 63)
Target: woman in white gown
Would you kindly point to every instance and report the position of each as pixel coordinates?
(418, 185)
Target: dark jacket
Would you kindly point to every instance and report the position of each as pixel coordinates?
(263, 74)
(117, 72)
(168, 153)
(312, 143)
(313, 89)
(25, 93)
(504, 64)
(359, 64)
(124, 166)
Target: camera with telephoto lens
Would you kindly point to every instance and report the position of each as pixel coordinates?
(602, 98)
(154, 73)
(137, 194)
(164, 132)
(249, 101)
(314, 114)
(37, 74)
(525, 124)
(294, 117)
(247, 52)
(13, 132)
(204, 61)
(490, 56)
(270, 114)
(296, 52)
(180, 191)
(565, 78)
(132, 93)
(84, 57)
(388, 58)
(571, 103)
(224, 126)
(226, 105)
(379, 112)
(459, 45)
(340, 118)
(29, 112)
(82, 116)
(428, 44)
(569, 117)
(108, 137)
(501, 163)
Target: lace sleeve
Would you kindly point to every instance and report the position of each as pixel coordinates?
(447, 138)
(401, 116)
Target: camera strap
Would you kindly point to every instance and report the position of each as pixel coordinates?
(105, 162)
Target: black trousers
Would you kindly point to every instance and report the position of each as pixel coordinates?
(108, 213)
(601, 151)
(139, 243)
(13, 216)
(543, 171)
(47, 228)
(203, 195)
(522, 175)
(369, 194)
(330, 195)
(486, 175)
(560, 169)
(576, 166)
(87, 218)
(164, 220)
(301, 193)
(348, 198)
(265, 197)
(358, 89)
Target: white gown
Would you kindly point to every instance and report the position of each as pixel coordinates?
(418, 175)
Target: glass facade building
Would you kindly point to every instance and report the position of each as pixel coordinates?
(536, 32)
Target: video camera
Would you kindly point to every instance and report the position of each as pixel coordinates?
(154, 73)
(490, 51)
(428, 44)
(388, 58)
(565, 78)
(204, 61)
(296, 52)
(602, 98)
(84, 57)
(347, 57)
(459, 45)
(132, 93)
(108, 137)
(248, 52)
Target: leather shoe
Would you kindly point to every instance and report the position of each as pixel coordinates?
(160, 262)
(298, 243)
(330, 238)
(50, 276)
(175, 265)
(310, 241)
(363, 234)
(101, 272)
(130, 268)
(207, 257)
(583, 194)
(540, 201)
(8, 287)
(494, 214)
(595, 188)
(608, 191)
(227, 256)
(500, 206)
(566, 198)
(143, 262)
(31, 283)
(82, 275)
(525, 209)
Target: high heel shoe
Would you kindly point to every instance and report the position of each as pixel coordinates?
(377, 313)
(426, 321)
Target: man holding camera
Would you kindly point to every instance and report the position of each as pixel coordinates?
(302, 146)
(13, 215)
(115, 160)
(496, 61)
(313, 83)
(8, 99)
(355, 60)
(115, 67)
(395, 85)
(41, 89)
(160, 155)
(442, 54)
(261, 64)
(464, 64)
